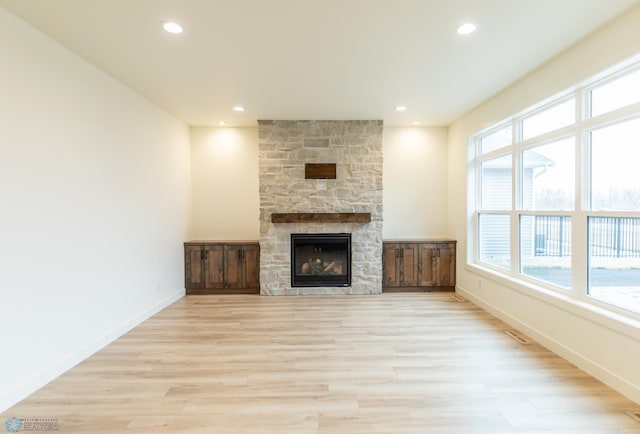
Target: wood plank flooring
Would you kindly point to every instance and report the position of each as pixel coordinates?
(388, 364)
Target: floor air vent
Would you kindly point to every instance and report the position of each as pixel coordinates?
(459, 298)
(517, 337)
(635, 415)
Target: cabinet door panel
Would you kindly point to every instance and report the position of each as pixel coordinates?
(446, 265)
(251, 265)
(215, 266)
(233, 266)
(390, 271)
(427, 265)
(194, 267)
(409, 258)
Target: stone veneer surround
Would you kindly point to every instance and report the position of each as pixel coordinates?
(356, 149)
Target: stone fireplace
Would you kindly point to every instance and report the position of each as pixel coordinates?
(355, 149)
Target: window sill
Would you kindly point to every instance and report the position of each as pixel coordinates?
(613, 318)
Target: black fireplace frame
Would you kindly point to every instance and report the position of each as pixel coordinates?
(340, 280)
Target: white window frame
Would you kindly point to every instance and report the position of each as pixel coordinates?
(579, 216)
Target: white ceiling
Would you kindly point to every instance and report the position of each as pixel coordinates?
(317, 59)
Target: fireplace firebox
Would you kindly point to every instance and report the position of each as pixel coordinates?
(320, 260)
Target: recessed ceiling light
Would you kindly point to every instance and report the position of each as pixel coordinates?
(467, 28)
(401, 108)
(172, 27)
(238, 108)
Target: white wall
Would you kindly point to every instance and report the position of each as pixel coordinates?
(593, 340)
(95, 200)
(414, 182)
(226, 204)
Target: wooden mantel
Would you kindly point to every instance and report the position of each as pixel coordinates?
(320, 217)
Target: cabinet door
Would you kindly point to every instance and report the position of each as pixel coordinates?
(233, 266)
(390, 265)
(214, 266)
(427, 269)
(445, 264)
(409, 265)
(194, 276)
(251, 266)
(399, 264)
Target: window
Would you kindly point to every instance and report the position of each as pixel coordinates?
(616, 94)
(614, 260)
(557, 116)
(494, 239)
(615, 160)
(545, 248)
(496, 182)
(548, 176)
(496, 139)
(567, 173)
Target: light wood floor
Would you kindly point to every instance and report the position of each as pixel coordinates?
(395, 363)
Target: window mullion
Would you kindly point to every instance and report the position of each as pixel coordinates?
(515, 242)
(514, 236)
(579, 246)
(579, 227)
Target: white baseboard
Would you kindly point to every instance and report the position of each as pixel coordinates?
(609, 378)
(20, 392)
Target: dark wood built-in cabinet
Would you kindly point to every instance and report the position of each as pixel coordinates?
(425, 265)
(222, 267)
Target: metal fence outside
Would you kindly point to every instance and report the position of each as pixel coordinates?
(614, 237)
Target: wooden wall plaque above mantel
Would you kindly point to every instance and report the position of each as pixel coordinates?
(320, 171)
(319, 217)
